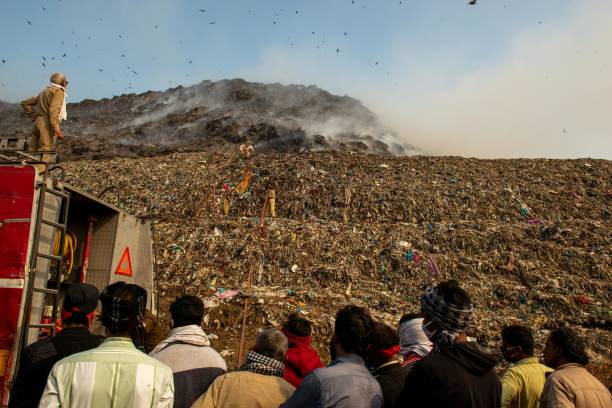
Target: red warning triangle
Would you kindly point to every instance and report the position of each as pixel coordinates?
(125, 264)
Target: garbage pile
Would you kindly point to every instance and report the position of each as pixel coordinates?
(529, 239)
(215, 116)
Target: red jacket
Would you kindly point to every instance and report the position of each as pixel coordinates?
(301, 359)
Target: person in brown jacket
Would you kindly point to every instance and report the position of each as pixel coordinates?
(570, 385)
(46, 110)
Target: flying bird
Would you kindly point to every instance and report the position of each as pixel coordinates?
(43, 7)
(472, 2)
(156, 25)
(135, 73)
(202, 11)
(63, 55)
(29, 22)
(337, 50)
(100, 70)
(4, 61)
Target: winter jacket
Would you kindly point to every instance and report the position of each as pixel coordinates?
(391, 377)
(38, 359)
(462, 377)
(301, 358)
(195, 365)
(244, 389)
(522, 384)
(345, 383)
(572, 386)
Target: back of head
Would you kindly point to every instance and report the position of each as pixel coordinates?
(297, 325)
(519, 336)
(187, 310)
(571, 345)
(80, 301)
(383, 336)
(353, 329)
(454, 294)
(272, 343)
(123, 306)
(410, 316)
(57, 78)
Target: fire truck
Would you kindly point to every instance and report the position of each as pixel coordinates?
(52, 235)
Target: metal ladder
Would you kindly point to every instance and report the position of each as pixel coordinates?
(53, 282)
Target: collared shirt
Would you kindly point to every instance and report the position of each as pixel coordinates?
(115, 374)
(522, 384)
(345, 383)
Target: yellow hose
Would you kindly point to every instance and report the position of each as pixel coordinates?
(69, 247)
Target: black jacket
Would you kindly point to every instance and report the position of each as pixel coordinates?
(38, 359)
(391, 379)
(460, 377)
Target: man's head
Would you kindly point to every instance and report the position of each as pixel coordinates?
(384, 345)
(80, 303)
(448, 311)
(352, 331)
(272, 343)
(564, 346)
(123, 306)
(59, 79)
(297, 325)
(187, 310)
(517, 343)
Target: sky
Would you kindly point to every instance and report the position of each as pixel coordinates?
(499, 79)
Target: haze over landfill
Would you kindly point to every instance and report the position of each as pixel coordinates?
(495, 79)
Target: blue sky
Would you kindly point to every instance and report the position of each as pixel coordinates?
(399, 57)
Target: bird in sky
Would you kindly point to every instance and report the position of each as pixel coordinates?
(202, 11)
(29, 22)
(472, 2)
(213, 22)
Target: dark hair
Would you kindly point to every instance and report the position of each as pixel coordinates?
(76, 319)
(353, 329)
(410, 316)
(383, 337)
(123, 305)
(521, 336)
(572, 345)
(297, 325)
(187, 310)
(454, 294)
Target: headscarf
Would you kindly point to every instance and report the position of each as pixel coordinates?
(122, 314)
(413, 339)
(260, 364)
(63, 113)
(451, 319)
(191, 334)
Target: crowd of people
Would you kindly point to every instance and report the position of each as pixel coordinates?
(428, 361)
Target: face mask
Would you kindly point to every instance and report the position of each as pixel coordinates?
(428, 333)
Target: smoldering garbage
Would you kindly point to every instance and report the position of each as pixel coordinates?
(374, 231)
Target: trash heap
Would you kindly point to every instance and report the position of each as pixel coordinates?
(529, 239)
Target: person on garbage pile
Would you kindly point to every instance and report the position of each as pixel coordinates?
(47, 110)
(302, 358)
(345, 382)
(414, 344)
(523, 381)
(457, 373)
(386, 363)
(37, 360)
(570, 385)
(258, 383)
(115, 374)
(188, 353)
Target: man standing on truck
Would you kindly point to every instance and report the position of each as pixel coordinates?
(38, 359)
(47, 110)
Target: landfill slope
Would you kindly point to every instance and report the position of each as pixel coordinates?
(529, 239)
(215, 116)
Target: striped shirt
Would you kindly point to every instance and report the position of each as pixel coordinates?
(115, 374)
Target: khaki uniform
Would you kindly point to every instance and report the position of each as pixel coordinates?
(45, 109)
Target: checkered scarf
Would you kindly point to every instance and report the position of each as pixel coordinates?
(451, 319)
(120, 315)
(260, 364)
